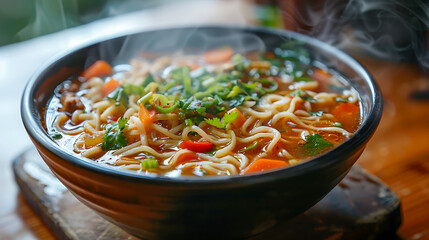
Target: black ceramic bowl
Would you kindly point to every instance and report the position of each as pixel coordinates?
(183, 208)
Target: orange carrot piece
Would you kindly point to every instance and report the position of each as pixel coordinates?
(347, 114)
(186, 157)
(263, 164)
(99, 69)
(108, 87)
(218, 55)
(239, 121)
(321, 75)
(146, 117)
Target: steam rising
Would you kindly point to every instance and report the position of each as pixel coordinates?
(193, 41)
(388, 29)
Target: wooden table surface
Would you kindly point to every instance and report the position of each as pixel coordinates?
(398, 153)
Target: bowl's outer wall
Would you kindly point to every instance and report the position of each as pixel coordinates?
(163, 211)
(179, 209)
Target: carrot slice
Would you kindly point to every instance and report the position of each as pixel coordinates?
(347, 114)
(218, 55)
(239, 121)
(146, 117)
(186, 157)
(262, 164)
(99, 69)
(321, 75)
(108, 87)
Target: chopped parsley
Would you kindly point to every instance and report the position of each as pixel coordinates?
(56, 135)
(302, 94)
(316, 144)
(222, 123)
(114, 137)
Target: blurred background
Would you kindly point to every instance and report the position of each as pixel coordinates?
(391, 29)
(389, 37)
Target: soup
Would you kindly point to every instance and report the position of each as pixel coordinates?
(217, 113)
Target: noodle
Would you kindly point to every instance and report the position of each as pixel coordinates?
(158, 123)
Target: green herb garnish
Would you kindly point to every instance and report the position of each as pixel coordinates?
(302, 94)
(114, 137)
(255, 144)
(56, 135)
(222, 123)
(316, 144)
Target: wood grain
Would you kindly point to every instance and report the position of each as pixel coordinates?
(359, 207)
(398, 153)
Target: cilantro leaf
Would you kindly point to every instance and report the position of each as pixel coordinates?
(222, 123)
(302, 94)
(237, 101)
(316, 144)
(114, 137)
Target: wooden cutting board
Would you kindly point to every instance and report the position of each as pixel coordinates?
(360, 207)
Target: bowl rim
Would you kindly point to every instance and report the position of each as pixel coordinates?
(38, 134)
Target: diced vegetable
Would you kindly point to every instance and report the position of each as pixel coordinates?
(189, 122)
(316, 144)
(99, 69)
(149, 163)
(163, 105)
(112, 118)
(118, 95)
(186, 157)
(239, 121)
(218, 55)
(146, 117)
(108, 87)
(201, 147)
(347, 114)
(263, 65)
(262, 164)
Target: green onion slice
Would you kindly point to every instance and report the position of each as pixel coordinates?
(255, 144)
